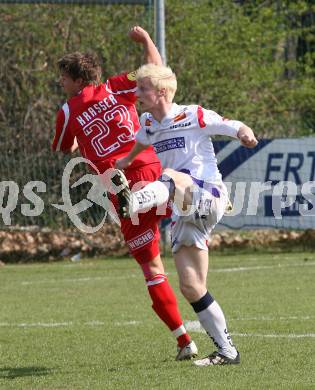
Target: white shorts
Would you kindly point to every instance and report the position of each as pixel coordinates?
(209, 206)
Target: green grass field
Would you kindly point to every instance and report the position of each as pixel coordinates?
(89, 325)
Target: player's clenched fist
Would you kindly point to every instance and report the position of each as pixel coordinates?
(247, 137)
(138, 34)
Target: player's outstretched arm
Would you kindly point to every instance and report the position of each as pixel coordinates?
(247, 137)
(124, 162)
(151, 53)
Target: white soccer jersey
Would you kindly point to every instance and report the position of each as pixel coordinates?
(182, 140)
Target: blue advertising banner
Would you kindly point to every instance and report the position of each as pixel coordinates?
(271, 185)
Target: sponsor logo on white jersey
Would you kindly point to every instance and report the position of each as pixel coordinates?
(169, 144)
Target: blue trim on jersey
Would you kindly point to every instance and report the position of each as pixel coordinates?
(169, 144)
(207, 186)
(203, 184)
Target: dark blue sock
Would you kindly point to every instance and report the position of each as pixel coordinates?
(203, 303)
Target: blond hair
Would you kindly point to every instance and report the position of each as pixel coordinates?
(161, 77)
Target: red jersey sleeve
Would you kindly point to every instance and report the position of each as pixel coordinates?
(124, 84)
(64, 138)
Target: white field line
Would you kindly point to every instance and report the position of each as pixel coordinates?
(63, 324)
(36, 325)
(77, 280)
(281, 318)
(194, 326)
(276, 336)
(262, 267)
(234, 269)
(191, 326)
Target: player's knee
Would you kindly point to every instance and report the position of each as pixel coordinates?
(189, 290)
(177, 177)
(152, 268)
(169, 172)
(181, 180)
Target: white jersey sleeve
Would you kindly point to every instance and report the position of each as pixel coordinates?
(142, 135)
(214, 124)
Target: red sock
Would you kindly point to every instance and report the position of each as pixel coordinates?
(165, 306)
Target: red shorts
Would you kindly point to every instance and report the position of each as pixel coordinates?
(143, 238)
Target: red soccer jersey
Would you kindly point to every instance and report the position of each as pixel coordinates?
(104, 120)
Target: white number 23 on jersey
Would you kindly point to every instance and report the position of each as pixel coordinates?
(100, 129)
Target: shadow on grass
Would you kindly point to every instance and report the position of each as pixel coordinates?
(19, 372)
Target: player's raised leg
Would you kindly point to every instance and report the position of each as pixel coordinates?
(170, 185)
